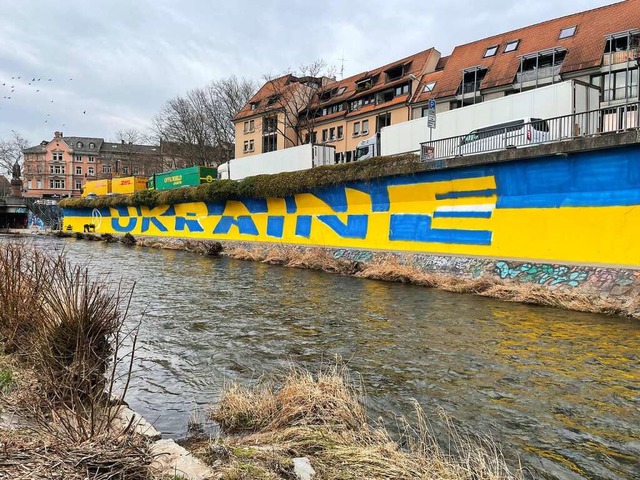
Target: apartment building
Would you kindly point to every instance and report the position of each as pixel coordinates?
(60, 167)
(598, 46)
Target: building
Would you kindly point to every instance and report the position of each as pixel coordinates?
(598, 46)
(60, 167)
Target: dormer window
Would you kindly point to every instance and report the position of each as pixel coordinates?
(253, 105)
(619, 42)
(471, 80)
(324, 96)
(567, 32)
(491, 51)
(511, 46)
(273, 99)
(429, 87)
(363, 85)
(79, 145)
(92, 145)
(395, 73)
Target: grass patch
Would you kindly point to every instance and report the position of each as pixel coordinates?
(6, 380)
(261, 186)
(322, 417)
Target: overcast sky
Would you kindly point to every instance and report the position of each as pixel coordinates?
(105, 65)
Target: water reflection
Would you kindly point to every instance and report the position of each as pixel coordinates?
(559, 389)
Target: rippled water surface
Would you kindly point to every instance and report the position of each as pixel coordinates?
(560, 390)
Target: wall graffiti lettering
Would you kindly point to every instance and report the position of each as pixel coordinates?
(542, 274)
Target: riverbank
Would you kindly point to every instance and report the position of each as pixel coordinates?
(594, 289)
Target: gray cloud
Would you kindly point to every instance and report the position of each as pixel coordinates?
(120, 61)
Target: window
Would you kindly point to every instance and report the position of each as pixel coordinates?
(248, 146)
(490, 51)
(471, 80)
(269, 143)
(269, 125)
(57, 183)
(394, 73)
(78, 184)
(79, 145)
(365, 127)
(56, 169)
(92, 145)
(511, 46)
(249, 126)
(341, 90)
(311, 138)
(78, 170)
(91, 158)
(383, 120)
(340, 132)
(57, 157)
(251, 145)
(619, 85)
(567, 32)
(273, 99)
(38, 183)
(332, 133)
(245, 147)
(543, 60)
(90, 172)
(136, 170)
(125, 170)
(325, 135)
(29, 185)
(363, 85)
(356, 129)
(429, 87)
(621, 42)
(78, 158)
(106, 169)
(253, 105)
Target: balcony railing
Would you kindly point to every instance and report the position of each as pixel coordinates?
(538, 74)
(622, 56)
(568, 127)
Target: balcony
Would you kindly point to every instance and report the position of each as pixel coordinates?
(539, 74)
(621, 56)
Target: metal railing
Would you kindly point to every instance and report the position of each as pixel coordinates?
(517, 134)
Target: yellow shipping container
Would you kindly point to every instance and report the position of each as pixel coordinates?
(97, 187)
(128, 185)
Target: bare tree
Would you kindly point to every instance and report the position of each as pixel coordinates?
(293, 99)
(198, 126)
(131, 135)
(11, 151)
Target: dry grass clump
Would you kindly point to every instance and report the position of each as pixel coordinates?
(323, 418)
(66, 332)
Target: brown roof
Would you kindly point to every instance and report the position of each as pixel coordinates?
(423, 96)
(584, 49)
(284, 85)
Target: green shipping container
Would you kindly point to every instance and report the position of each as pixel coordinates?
(184, 177)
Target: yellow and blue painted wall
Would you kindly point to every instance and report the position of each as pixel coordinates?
(582, 208)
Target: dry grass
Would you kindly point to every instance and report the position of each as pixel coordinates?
(323, 418)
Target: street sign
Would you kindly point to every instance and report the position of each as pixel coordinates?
(432, 104)
(431, 119)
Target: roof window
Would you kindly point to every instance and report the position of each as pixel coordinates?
(491, 51)
(79, 145)
(253, 105)
(341, 90)
(567, 32)
(92, 145)
(511, 46)
(363, 85)
(429, 87)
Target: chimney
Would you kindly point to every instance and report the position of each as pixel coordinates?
(122, 140)
(57, 134)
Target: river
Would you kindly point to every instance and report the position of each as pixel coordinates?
(559, 390)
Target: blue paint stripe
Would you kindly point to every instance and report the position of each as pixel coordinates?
(466, 194)
(576, 199)
(462, 214)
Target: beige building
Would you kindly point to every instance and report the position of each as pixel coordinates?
(60, 167)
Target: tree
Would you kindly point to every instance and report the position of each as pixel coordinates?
(198, 126)
(293, 98)
(131, 135)
(11, 152)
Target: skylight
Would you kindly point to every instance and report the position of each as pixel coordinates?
(429, 87)
(491, 51)
(511, 46)
(567, 32)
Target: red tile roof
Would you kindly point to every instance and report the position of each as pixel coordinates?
(584, 49)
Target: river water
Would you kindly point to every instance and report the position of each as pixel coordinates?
(558, 390)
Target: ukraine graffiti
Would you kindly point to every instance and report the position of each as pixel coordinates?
(551, 210)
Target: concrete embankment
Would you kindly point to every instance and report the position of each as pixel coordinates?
(594, 289)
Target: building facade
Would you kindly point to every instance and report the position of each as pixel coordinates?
(60, 167)
(599, 47)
